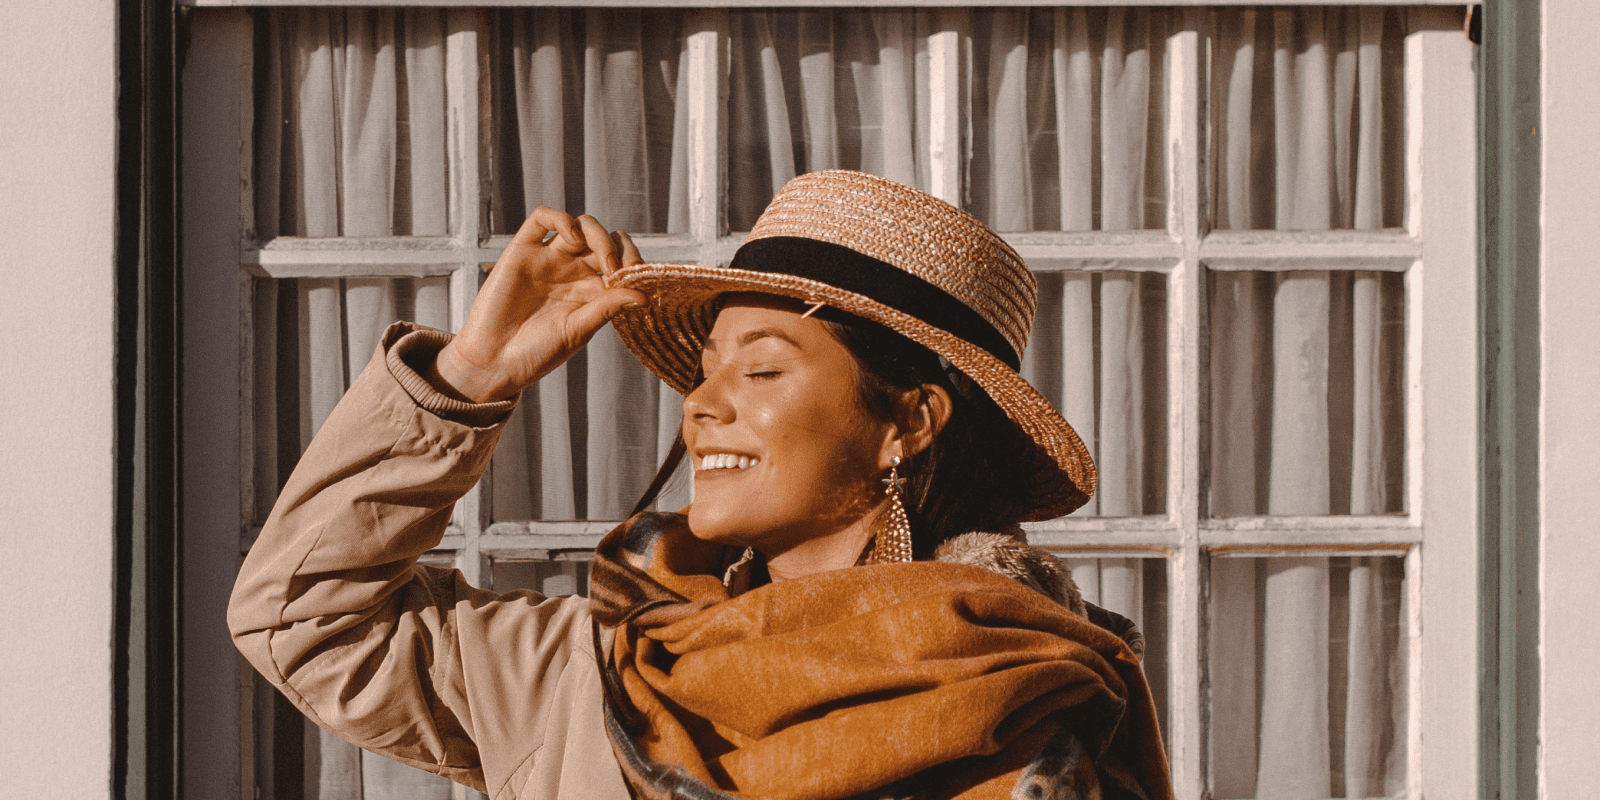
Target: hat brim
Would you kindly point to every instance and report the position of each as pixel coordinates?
(668, 333)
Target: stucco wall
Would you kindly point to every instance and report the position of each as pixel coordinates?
(1570, 440)
(57, 103)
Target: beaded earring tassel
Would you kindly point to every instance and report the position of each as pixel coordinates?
(892, 543)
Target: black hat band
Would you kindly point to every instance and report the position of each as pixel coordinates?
(837, 265)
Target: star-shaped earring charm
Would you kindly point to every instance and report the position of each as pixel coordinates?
(893, 483)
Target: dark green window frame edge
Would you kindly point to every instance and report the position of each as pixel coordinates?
(1508, 411)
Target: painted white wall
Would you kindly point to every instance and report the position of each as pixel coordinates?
(57, 105)
(1570, 437)
(1570, 395)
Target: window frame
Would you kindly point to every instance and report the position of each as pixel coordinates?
(1436, 251)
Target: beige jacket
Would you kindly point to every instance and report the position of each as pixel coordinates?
(500, 692)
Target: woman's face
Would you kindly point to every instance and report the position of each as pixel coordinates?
(783, 452)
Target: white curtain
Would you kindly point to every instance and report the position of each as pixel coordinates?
(1306, 404)
(350, 127)
(1066, 113)
(1069, 118)
(589, 118)
(824, 89)
(1065, 129)
(350, 142)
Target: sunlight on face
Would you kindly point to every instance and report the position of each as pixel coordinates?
(783, 452)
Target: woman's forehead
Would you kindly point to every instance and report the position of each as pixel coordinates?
(748, 318)
(765, 321)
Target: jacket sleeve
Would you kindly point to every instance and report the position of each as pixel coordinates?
(331, 606)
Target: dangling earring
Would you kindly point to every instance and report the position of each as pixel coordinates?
(892, 543)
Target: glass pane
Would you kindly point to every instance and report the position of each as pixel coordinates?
(1136, 588)
(1306, 118)
(1307, 664)
(1069, 118)
(586, 440)
(1098, 353)
(1066, 104)
(313, 336)
(549, 577)
(350, 123)
(1307, 393)
(824, 89)
(588, 115)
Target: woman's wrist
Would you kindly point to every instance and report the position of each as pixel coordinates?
(457, 378)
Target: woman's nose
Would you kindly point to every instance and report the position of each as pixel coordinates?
(709, 402)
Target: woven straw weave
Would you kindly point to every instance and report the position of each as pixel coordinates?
(914, 231)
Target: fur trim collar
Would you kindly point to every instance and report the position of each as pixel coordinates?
(1008, 553)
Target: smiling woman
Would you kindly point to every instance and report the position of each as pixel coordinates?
(848, 608)
(807, 455)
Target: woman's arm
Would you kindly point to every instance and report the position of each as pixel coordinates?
(330, 604)
(407, 661)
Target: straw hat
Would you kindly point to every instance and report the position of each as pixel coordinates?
(892, 254)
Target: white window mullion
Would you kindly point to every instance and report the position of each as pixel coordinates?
(353, 258)
(1415, 680)
(1442, 419)
(708, 53)
(1185, 714)
(464, 109)
(945, 118)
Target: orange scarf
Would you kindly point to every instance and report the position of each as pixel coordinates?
(901, 680)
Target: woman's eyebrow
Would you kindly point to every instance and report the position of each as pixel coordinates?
(755, 335)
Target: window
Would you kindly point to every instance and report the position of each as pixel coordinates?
(1253, 230)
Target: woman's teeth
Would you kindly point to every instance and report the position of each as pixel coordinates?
(727, 461)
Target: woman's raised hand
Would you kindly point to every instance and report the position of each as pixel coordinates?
(543, 300)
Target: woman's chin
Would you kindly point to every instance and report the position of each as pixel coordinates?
(710, 525)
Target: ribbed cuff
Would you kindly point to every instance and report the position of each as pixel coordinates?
(411, 354)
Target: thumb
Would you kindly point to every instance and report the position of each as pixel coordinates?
(597, 312)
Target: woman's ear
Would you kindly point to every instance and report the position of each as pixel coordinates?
(927, 410)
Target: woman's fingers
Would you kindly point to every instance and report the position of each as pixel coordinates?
(593, 315)
(601, 244)
(546, 298)
(545, 219)
(576, 237)
(537, 228)
(625, 245)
